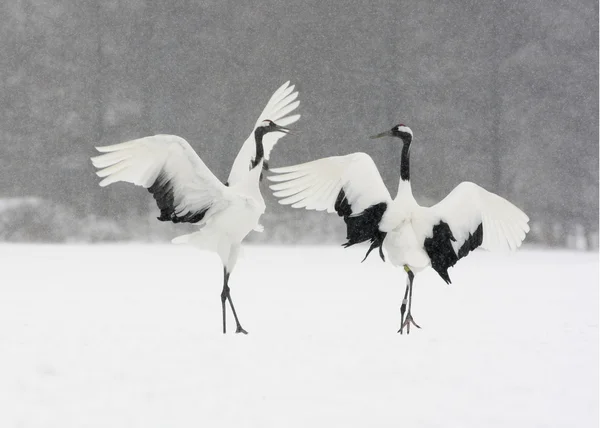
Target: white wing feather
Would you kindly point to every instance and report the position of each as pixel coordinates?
(467, 206)
(315, 185)
(142, 161)
(282, 102)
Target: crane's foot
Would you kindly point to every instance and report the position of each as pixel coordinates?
(407, 323)
(239, 329)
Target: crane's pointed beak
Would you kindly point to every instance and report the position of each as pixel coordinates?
(383, 134)
(281, 129)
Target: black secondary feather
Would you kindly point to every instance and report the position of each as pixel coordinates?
(440, 251)
(362, 227)
(163, 192)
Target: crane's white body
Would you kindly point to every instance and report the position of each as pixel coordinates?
(229, 212)
(224, 230)
(402, 243)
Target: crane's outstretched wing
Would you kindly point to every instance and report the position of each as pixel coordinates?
(349, 185)
(184, 188)
(467, 218)
(282, 103)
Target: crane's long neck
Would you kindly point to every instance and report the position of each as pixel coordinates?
(404, 187)
(260, 151)
(405, 162)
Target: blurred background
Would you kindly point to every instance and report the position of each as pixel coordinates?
(501, 93)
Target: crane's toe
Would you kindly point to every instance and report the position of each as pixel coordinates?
(239, 329)
(407, 323)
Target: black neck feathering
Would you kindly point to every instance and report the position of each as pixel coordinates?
(260, 151)
(404, 161)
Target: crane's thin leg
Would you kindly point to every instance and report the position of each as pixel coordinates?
(226, 294)
(409, 319)
(239, 328)
(403, 306)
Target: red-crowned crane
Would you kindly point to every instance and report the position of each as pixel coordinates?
(414, 237)
(185, 189)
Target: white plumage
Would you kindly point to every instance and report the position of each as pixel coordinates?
(315, 185)
(281, 103)
(469, 205)
(414, 237)
(187, 191)
(141, 161)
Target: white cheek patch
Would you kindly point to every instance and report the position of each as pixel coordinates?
(405, 129)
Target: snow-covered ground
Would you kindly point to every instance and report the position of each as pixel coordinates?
(130, 336)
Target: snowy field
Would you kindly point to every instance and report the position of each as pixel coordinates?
(130, 336)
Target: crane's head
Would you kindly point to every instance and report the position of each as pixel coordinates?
(267, 126)
(400, 131)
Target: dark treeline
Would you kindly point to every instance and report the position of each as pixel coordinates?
(501, 93)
